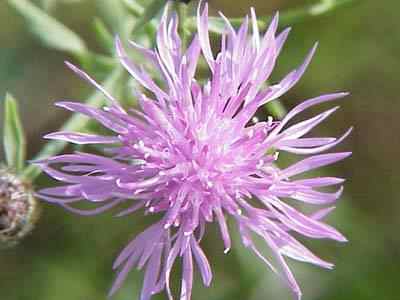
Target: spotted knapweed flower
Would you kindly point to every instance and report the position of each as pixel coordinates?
(194, 154)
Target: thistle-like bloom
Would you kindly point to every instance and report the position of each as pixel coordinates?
(194, 154)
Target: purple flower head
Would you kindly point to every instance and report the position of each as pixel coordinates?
(192, 155)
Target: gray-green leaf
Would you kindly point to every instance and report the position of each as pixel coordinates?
(48, 30)
(13, 138)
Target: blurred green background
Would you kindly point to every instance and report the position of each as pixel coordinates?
(69, 257)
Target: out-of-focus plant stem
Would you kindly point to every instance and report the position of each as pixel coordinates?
(104, 36)
(288, 18)
(182, 10)
(150, 11)
(134, 8)
(316, 10)
(276, 108)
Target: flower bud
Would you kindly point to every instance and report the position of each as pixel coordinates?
(19, 210)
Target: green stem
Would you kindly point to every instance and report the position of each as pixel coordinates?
(76, 123)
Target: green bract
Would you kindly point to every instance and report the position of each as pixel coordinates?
(13, 139)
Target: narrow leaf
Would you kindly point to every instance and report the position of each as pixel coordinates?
(13, 138)
(48, 30)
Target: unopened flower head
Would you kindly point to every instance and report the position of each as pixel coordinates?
(192, 155)
(19, 210)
